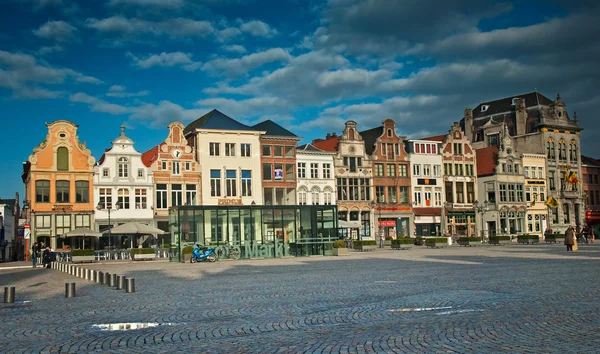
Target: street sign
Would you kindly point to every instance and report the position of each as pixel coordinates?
(27, 234)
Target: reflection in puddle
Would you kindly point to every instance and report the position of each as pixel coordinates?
(128, 326)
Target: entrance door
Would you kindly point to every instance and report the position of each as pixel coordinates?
(491, 228)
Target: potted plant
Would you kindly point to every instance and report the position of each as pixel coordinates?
(436, 242)
(186, 254)
(403, 243)
(365, 245)
(528, 239)
(142, 254)
(499, 240)
(339, 248)
(469, 241)
(86, 255)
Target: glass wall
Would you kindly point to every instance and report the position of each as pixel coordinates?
(255, 231)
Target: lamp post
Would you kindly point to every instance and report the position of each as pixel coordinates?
(380, 235)
(481, 209)
(101, 207)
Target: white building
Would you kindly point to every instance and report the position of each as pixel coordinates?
(123, 184)
(427, 186)
(7, 228)
(316, 182)
(229, 156)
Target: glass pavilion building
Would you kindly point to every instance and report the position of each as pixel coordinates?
(261, 231)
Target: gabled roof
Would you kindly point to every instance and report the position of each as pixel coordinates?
(150, 156)
(440, 138)
(273, 129)
(370, 138)
(329, 144)
(310, 148)
(215, 120)
(505, 104)
(586, 160)
(487, 160)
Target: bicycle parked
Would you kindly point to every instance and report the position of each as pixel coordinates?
(228, 252)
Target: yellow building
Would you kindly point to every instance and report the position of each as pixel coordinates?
(534, 168)
(58, 180)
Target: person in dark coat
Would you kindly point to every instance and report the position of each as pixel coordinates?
(46, 258)
(569, 238)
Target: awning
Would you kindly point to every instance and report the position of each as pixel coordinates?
(343, 224)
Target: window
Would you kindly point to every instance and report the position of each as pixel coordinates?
(327, 196)
(302, 196)
(460, 192)
(470, 192)
(438, 198)
(141, 198)
(188, 166)
(404, 195)
(327, 170)
(493, 140)
(573, 152)
(123, 167)
(163, 165)
(519, 193)
(542, 197)
(42, 222)
(215, 183)
(551, 181)
(106, 198)
(379, 170)
(427, 170)
(417, 198)
(380, 194)
(82, 192)
(62, 191)
(427, 198)
(245, 150)
(389, 133)
(176, 168)
(503, 193)
(566, 216)
(416, 170)
(105, 172)
(541, 172)
(267, 171)
(562, 151)
(278, 151)
(390, 150)
(229, 149)
(161, 196)
(449, 192)
(533, 172)
(314, 195)
(301, 169)
(42, 191)
(491, 192)
(526, 170)
(266, 150)
(82, 220)
(63, 224)
(278, 171)
(176, 195)
(123, 198)
(402, 170)
(392, 194)
(528, 197)
(230, 183)
(458, 149)
(246, 183)
(517, 169)
(290, 174)
(190, 194)
(214, 149)
(314, 170)
(62, 159)
(448, 169)
(289, 151)
(512, 195)
(437, 170)
(391, 170)
(140, 173)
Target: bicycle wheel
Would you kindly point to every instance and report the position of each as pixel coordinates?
(221, 253)
(235, 254)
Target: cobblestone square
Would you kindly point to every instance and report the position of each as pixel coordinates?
(519, 299)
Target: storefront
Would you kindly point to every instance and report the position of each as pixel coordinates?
(256, 231)
(592, 219)
(394, 227)
(461, 223)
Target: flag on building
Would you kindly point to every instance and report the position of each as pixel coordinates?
(573, 178)
(552, 202)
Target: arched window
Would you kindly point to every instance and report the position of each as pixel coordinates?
(314, 195)
(351, 134)
(562, 150)
(302, 196)
(328, 198)
(389, 133)
(550, 149)
(62, 159)
(573, 151)
(123, 167)
(123, 198)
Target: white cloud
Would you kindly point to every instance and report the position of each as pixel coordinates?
(179, 59)
(244, 108)
(164, 113)
(258, 29)
(98, 105)
(131, 28)
(236, 67)
(119, 91)
(45, 50)
(227, 34)
(234, 48)
(59, 31)
(169, 4)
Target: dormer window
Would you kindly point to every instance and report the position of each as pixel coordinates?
(389, 133)
(123, 167)
(484, 107)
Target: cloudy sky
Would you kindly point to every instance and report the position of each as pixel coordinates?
(309, 65)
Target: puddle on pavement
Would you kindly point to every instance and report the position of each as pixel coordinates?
(128, 326)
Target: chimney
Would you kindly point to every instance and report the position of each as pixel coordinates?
(328, 136)
(469, 124)
(334, 134)
(520, 116)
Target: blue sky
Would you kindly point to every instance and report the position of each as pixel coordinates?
(308, 65)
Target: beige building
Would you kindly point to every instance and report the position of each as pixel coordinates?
(534, 169)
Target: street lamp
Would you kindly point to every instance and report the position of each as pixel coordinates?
(101, 207)
(378, 205)
(481, 209)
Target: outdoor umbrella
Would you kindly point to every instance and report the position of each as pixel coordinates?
(135, 228)
(82, 233)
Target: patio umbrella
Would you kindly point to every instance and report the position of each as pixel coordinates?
(83, 233)
(135, 228)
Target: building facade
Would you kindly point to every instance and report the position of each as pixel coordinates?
(353, 173)
(315, 178)
(59, 179)
(176, 174)
(501, 183)
(534, 169)
(391, 180)
(538, 125)
(7, 229)
(427, 186)
(278, 155)
(591, 188)
(123, 186)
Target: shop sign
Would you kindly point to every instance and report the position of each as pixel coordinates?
(384, 223)
(228, 201)
(426, 181)
(399, 208)
(266, 250)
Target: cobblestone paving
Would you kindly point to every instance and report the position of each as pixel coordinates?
(520, 299)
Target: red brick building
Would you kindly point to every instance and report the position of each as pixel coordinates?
(590, 169)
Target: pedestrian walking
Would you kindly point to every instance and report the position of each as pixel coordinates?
(34, 254)
(585, 232)
(570, 238)
(593, 235)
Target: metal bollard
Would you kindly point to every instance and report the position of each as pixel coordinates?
(86, 274)
(93, 276)
(130, 285)
(69, 289)
(100, 277)
(106, 278)
(112, 281)
(120, 282)
(9, 294)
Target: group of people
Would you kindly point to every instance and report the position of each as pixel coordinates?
(571, 238)
(40, 249)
